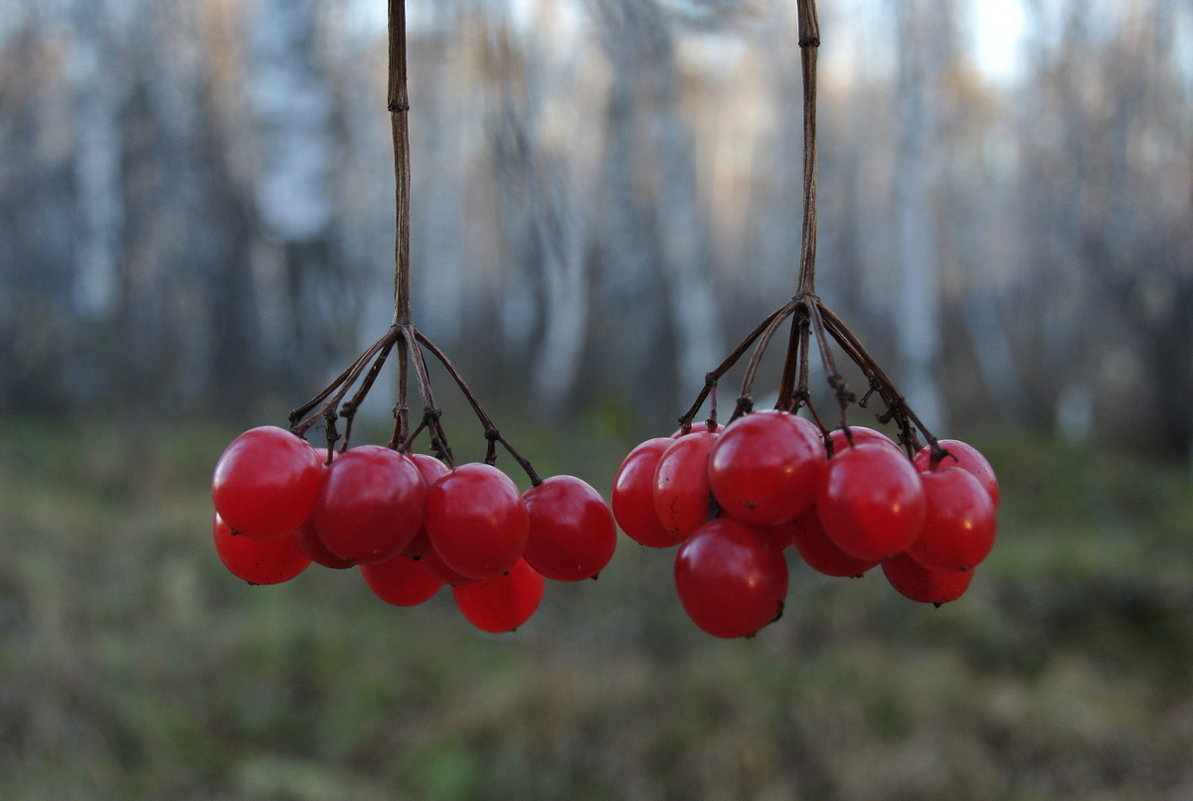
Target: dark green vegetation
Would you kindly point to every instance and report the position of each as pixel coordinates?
(133, 666)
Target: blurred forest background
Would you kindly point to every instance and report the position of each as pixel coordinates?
(196, 234)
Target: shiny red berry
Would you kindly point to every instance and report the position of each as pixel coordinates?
(313, 547)
(913, 580)
(370, 505)
(960, 522)
(503, 602)
(861, 436)
(765, 467)
(871, 501)
(731, 578)
(265, 483)
(476, 520)
(965, 456)
(400, 581)
(821, 554)
(258, 561)
(572, 533)
(682, 495)
(632, 498)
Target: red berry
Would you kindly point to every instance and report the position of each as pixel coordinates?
(861, 436)
(633, 495)
(432, 564)
(821, 553)
(430, 469)
(257, 561)
(959, 526)
(265, 483)
(871, 501)
(698, 427)
(765, 467)
(313, 547)
(476, 520)
(914, 581)
(782, 535)
(370, 505)
(400, 581)
(681, 490)
(502, 602)
(572, 533)
(965, 456)
(731, 578)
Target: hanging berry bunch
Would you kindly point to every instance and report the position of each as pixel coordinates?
(846, 498)
(412, 522)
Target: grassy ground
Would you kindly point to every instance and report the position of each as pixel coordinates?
(133, 666)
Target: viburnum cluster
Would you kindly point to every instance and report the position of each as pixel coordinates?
(411, 524)
(734, 498)
(847, 499)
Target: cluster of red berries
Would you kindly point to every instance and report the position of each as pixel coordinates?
(733, 498)
(409, 522)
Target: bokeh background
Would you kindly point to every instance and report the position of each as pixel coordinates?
(196, 234)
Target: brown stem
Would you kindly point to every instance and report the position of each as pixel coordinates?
(431, 411)
(896, 407)
(745, 401)
(329, 399)
(711, 378)
(401, 406)
(399, 108)
(492, 434)
(809, 44)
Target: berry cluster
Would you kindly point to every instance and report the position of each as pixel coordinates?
(734, 498)
(410, 523)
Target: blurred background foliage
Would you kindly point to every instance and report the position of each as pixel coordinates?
(196, 228)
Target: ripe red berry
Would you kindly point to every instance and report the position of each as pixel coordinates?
(821, 553)
(698, 426)
(965, 456)
(257, 561)
(313, 547)
(476, 520)
(765, 467)
(432, 564)
(861, 436)
(572, 533)
(959, 526)
(400, 581)
(782, 535)
(502, 602)
(871, 501)
(914, 581)
(731, 578)
(632, 498)
(265, 483)
(430, 469)
(370, 505)
(681, 490)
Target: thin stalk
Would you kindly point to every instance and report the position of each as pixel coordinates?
(330, 397)
(399, 108)
(431, 411)
(809, 45)
(401, 406)
(492, 434)
(745, 400)
(711, 378)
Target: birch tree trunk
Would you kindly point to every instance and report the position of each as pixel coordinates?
(923, 27)
(661, 158)
(292, 106)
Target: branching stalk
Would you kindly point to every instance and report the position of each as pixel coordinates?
(328, 406)
(810, 318)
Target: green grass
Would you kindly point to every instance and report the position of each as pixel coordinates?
(133, 666)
